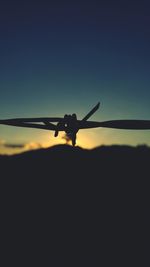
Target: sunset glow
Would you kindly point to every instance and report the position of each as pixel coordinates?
(87, 139)
(64, 59)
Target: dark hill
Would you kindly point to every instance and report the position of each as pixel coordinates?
(94, 201)
(67, 161)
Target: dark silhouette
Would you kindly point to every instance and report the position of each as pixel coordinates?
(70, 125)
(78, 200)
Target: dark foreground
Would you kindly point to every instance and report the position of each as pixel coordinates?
(65, 205)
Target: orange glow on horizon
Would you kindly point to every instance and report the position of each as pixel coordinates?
(84, 140)
(24, 141)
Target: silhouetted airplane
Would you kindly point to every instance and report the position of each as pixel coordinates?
(70, 125)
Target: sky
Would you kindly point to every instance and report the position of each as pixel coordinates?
(64, 57)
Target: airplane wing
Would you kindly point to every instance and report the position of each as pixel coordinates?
(117, 124)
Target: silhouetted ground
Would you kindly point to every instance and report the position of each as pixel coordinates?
(71, 201)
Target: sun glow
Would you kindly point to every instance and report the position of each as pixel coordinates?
(21, 141)
(85, 139)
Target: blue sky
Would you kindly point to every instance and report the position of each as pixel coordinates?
(64, 57)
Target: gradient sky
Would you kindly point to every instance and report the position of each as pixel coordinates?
(64, 57)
